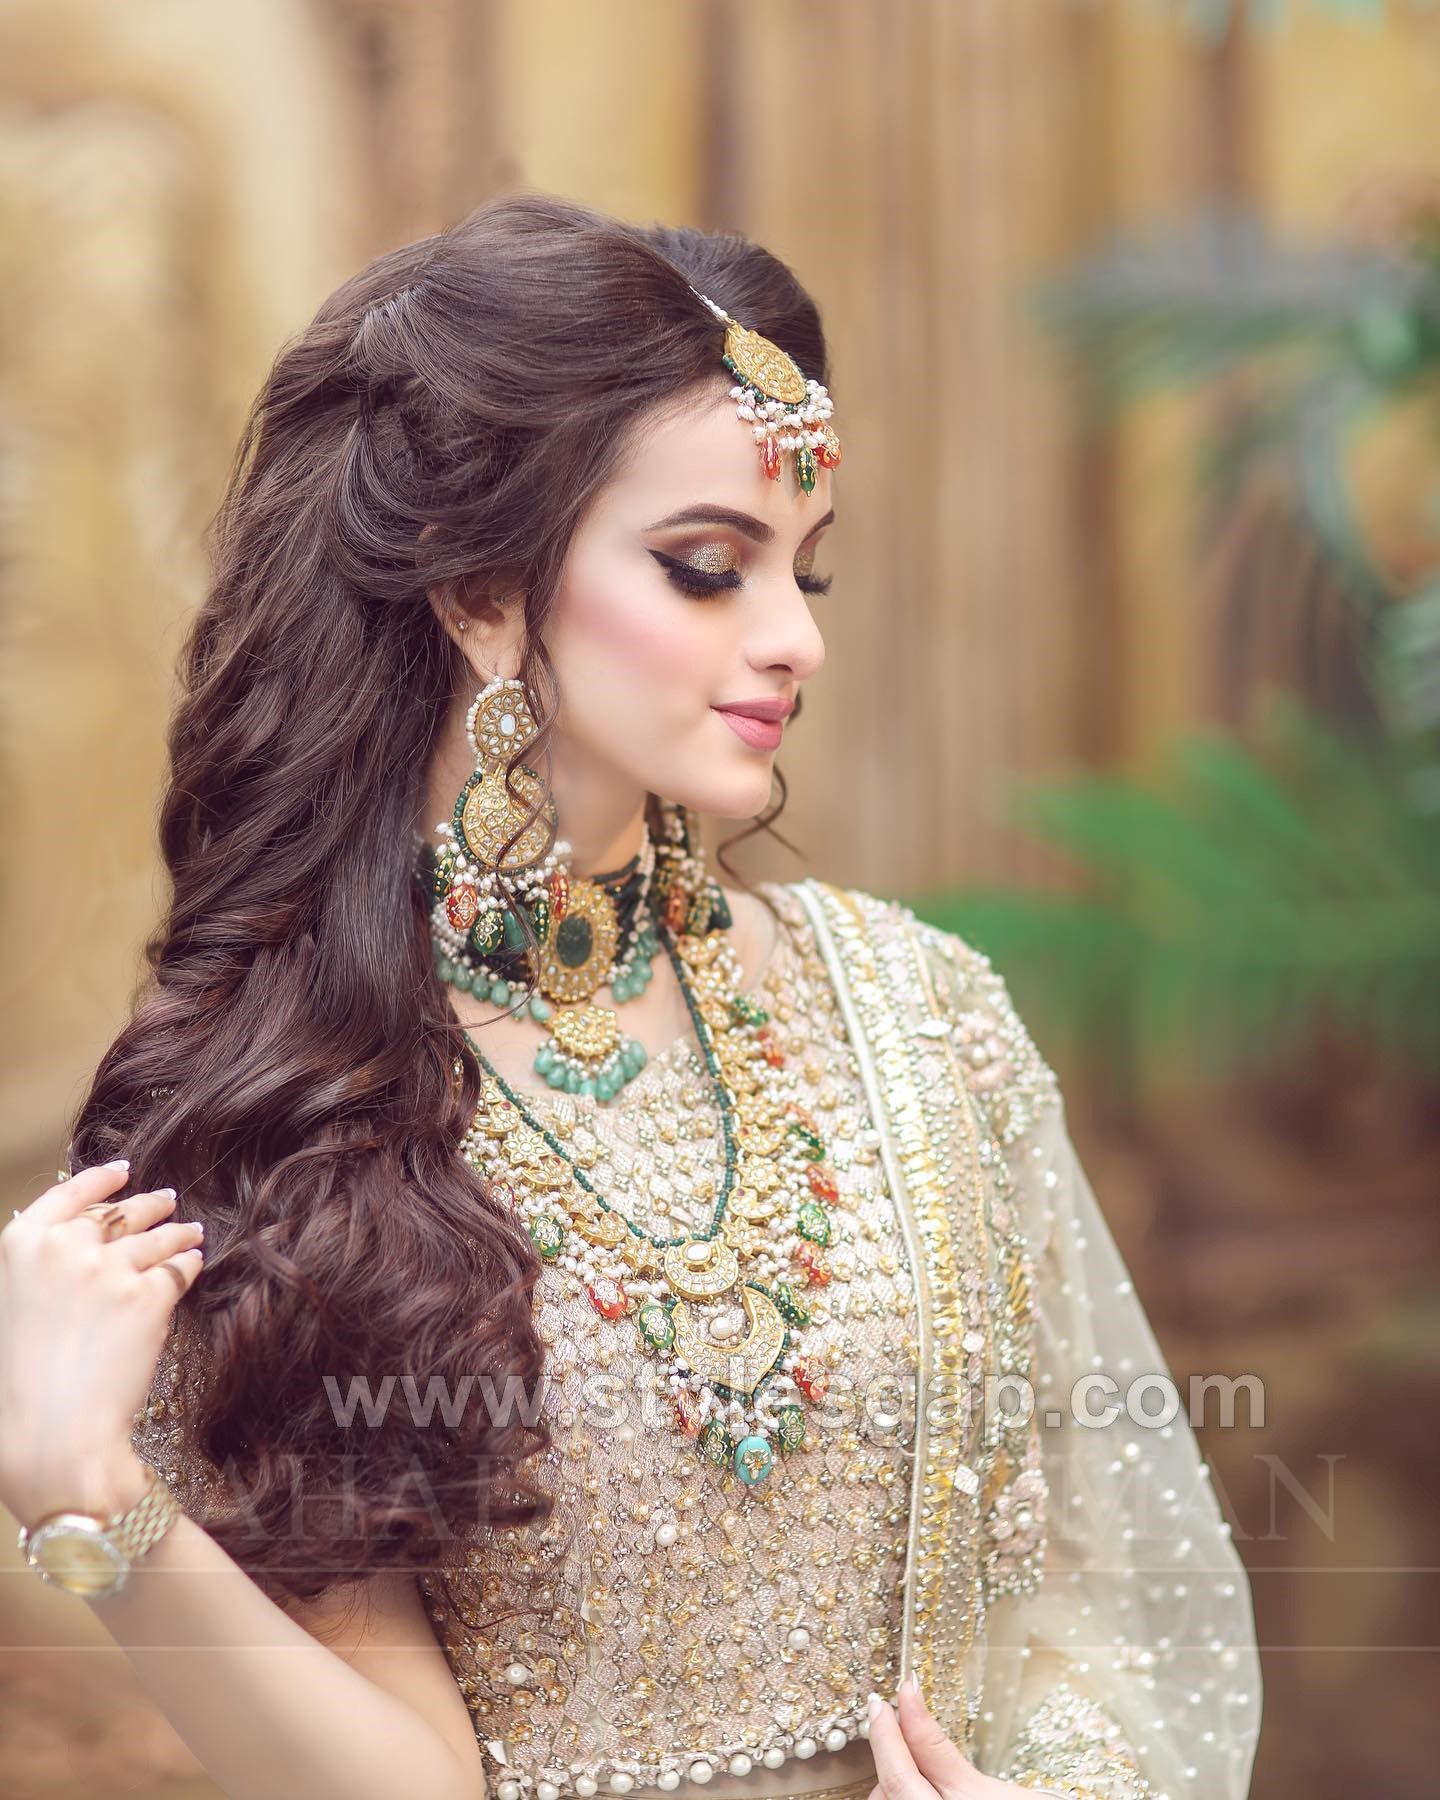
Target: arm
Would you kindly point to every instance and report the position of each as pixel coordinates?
(329, 1699)
(360, 1661)
(349, 1696)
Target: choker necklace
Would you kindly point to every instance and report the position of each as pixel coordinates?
(721, 1307)
(591, 930)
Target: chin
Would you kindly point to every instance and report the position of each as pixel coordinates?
(732, 794)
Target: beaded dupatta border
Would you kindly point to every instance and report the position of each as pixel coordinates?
(929, 1143)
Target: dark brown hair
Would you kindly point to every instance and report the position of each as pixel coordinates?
(292, 1065)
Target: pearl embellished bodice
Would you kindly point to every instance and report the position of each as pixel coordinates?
(1068, 1595)
(692, 1621)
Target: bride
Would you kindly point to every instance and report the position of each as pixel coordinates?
(567, 1322)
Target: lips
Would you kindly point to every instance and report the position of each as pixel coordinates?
(758, 723)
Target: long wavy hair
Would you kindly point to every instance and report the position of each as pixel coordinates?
(292, 1065)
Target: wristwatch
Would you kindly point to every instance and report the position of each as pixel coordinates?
(91, 1556)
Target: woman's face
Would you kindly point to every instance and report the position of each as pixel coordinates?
(682, 630)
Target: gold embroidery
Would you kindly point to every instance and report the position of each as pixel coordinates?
(940, 1191)
(1070, 1745)
(670, 1620)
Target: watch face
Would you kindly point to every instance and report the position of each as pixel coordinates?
(74, 1553)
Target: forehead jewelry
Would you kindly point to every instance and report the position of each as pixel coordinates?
(784, 410)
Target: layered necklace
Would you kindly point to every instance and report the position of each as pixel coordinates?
(724, 1307)
(592, 931)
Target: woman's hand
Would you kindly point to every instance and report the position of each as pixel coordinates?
(87, 1287)
(916, 1761)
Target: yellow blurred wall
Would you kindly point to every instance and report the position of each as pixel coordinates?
(181, 184)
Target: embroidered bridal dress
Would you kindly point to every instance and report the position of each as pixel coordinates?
(1064, 1587)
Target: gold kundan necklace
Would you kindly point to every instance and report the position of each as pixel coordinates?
(722, 1307)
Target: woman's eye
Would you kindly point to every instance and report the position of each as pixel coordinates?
(694, 580)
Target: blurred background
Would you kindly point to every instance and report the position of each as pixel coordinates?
(1134, 641)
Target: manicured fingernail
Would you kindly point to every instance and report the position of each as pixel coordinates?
(165, 1193)
(199, 1225)
(912, 1681)
(120, 1162)
(873, 1705)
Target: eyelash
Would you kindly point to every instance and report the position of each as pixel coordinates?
(700, 582)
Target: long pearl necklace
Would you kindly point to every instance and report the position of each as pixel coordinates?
(723, 1307)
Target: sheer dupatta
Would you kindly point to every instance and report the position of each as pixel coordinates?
(1075, 1610)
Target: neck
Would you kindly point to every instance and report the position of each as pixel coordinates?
(601, 819)
(597, 845)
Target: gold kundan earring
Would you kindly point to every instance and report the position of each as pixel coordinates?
(490, 810)
(590, 931)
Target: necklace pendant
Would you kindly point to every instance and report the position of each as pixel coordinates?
(822, 1183)
(715, 1444)
(687, 1413)
(817, 1270)
(577, 956)
(738, 1366)
(588, 1053)
(793, 1309)
(812, 1222)
(655, 1325)
(812, 1379)
(702, 1269)
(790, 1427)
(608, 1297)
(753, 1459)
(596, 1226)
(641, 1256)
(548, 1236)
(745, 1239)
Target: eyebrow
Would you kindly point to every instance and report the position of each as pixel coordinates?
(708, 514)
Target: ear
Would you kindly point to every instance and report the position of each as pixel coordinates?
(486, 624)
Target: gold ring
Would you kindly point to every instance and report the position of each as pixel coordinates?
(109, 1216)
(170, 1269)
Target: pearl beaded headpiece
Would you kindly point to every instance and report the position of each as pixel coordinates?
(784, 410)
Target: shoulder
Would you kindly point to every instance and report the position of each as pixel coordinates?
(960, 989)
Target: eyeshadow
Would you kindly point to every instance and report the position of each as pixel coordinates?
(713, 559)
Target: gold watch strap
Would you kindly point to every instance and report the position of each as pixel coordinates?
(147, 1521)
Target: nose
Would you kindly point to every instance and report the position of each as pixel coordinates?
(785, 636)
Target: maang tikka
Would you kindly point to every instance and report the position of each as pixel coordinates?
(785, 411)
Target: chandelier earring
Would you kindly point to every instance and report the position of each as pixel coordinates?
(512, 924)
(471, 916)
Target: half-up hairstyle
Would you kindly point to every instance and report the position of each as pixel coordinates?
(292, 1065)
